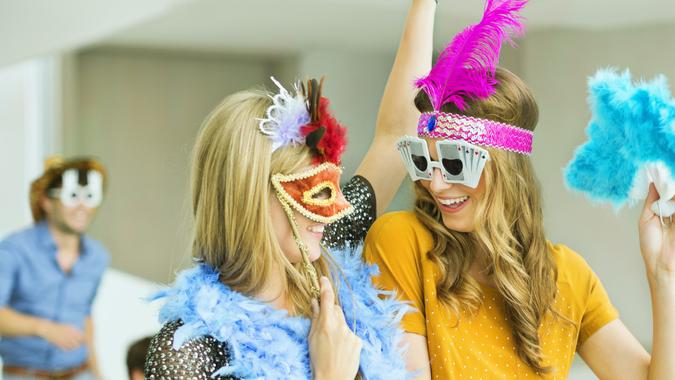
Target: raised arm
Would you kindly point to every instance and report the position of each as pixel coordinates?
(613, 352)
(397, 115)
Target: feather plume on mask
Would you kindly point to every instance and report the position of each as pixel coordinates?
(466, 68)
(631, 142)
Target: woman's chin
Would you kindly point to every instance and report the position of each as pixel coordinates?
(314, 254)
(313, 246)
(456, 225)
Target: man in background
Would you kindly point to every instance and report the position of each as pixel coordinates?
(49, 275)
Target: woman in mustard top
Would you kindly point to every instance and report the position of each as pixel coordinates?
(492, 298)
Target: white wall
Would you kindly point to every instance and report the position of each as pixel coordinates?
(122, 316)
(29, 130)
(140, 112)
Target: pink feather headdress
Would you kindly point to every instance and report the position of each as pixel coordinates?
(466, 69)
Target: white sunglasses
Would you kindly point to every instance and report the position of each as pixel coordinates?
(459, 162)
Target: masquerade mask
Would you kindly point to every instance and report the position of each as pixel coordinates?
(458, 161)
(314, 193)
(72, 193)
(304, 118)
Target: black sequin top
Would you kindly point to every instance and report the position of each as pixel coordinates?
(199, 358)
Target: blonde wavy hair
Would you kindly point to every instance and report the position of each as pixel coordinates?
(509, 228)
(231, 193)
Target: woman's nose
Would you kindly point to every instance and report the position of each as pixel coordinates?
(437, 184)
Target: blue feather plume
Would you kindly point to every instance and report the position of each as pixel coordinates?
(269, 344)
(632, 125)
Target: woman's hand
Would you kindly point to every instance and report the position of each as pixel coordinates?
(657, 244)
(65, 337)
(334, 350)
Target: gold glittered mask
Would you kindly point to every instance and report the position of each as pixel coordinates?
(314, 193)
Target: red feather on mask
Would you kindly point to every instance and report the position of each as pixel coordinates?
(324, 134)
(334, 140)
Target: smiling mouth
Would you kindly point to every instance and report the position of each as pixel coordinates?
(453, 202)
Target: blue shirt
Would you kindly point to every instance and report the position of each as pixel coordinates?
(33, 283)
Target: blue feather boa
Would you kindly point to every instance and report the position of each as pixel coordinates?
(266, 343)
(632, 125)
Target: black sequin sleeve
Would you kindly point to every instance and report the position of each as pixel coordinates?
(195, 360)
(351, 230)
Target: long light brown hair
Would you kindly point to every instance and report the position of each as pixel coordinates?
(231, 192)
(509, 227)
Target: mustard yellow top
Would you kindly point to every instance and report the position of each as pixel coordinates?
(481, 346)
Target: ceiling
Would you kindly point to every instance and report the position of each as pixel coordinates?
(278, 26)
(41, 27)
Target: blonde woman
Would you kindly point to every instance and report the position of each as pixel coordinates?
(494, 298)
(265, 184)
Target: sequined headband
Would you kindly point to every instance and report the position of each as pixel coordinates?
(441, 125)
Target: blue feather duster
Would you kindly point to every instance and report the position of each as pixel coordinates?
(631, 141)
(269, 344)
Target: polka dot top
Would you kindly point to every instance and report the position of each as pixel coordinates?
(480, 346)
